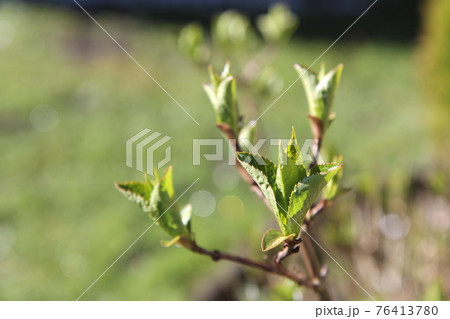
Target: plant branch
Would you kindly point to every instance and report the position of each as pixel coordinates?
(290, 247)
(318, 143)
(276, 268)
(316, 210)
(317, 128)
(309, 253)
(233, 140)
(314, 279)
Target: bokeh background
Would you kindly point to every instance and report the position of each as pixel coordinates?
(70, 98)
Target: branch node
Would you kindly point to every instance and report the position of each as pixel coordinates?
(216, 255)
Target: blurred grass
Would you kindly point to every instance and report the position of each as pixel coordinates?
(63, 223)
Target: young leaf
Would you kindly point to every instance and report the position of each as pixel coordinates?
(293, 150)
(307, 191)
(213, 77)
(309, 80)
(222, 95)
(162, 206)
(263, 172)
(226, 102)
(157, 199)
(326, 90)
(320, 91)
(288, 174)
(138, 192)
(272, 238)
(333, 190)
(321, 71)
(186, 214)
(323, 168)
(226, 71)
(290, 168)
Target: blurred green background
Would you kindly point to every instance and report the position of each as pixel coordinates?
(70, 98)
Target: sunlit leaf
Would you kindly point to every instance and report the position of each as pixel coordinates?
(272, 238)
(307, 191)
(222, 95)
(138, 192)
(320, 91)
(157, 199)
(163, 207)
(290, 169)
(309, 80)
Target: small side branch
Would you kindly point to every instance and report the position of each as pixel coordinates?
(233, 140)
(315, 211)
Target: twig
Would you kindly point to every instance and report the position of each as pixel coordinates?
(315, 210)
(313, 269)
(317, 128)
(231, 136)
(309, 253)
(277, 269)
(318, 143)
(290, 247)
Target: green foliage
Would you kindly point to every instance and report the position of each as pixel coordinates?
(234, 37)
(272, 238)
(138, 192)
(333, 189)
(222, 94)
(290, 168)
(94, 216)
(278, 24)
(289, 190)
(308, 190)
(190, 41)
(233, 30)
(320, 90)
(263, 172)
(157, 199)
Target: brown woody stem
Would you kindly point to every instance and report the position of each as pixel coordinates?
(277, 269)
(231, 136)
(318, 143)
